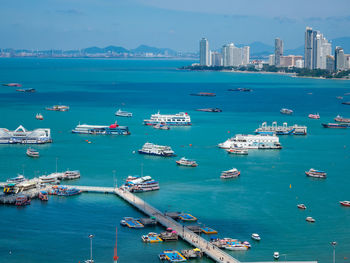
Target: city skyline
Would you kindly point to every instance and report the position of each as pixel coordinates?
(79, 24)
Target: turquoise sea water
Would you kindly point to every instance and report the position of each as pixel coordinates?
(260, 201)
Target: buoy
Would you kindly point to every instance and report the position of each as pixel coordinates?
(190, 144)
(133, 152)
(290, 186)
(228, 131)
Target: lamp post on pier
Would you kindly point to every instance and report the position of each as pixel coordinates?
(91, 260)
(333, 244)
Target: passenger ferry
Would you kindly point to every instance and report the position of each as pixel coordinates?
(281, 130)
(142, 184)
(286, 111)
(341, 119)
(158, 150)
(58, 108)
(20, 178)
(186, 162)
(121, 113)
(71, 175)
(179, 119)
(32, 153)
(316, 173)
(113, 129)
(261, 141)
(22, 200)
(23, 136)
(230, 174)
(49, 179)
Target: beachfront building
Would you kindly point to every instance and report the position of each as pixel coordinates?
(278, 51)
(272, 59)
(216, 59)
(339, 59)
(204, 52)
(245, 55)
(233, 56)
(299, 63)
(289, 61)
(330, 63)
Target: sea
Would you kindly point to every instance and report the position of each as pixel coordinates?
(262, 200)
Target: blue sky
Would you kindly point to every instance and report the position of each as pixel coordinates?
(72, 24)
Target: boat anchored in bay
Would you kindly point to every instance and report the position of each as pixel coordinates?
(179, 119)
(232, 173)
(113, 129)
(158, 150)
(186, 162)
(121, 113)
(316, 173)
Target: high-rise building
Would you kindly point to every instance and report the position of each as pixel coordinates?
(245, 55)
(289, 61)
(231, 55)
(330, 63)
(347, 61)
(308, 48)
(204, 52)
(278, 51)
(272, 60)
(339, 59)
(216, 59)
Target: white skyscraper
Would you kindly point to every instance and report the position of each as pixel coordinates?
(204, 59)
(245, 55)
(232, 55)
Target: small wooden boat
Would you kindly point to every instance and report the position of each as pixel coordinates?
(310, 219)
(301, 206)
(345, 203)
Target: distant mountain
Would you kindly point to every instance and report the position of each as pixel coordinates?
(344, 42)
(154, 50)
(97, 50)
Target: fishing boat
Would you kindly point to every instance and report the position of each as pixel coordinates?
(179, 119)
(336, 125)
(241, 89)
(172, 256)
(20, 178)
(186, 162)
(345, 203)
(260, 141)
(286, 111)
(23, 136)
(230, 174)
(39, 116)
(316, 173)
(22, 200)
(151, 238)
(71, 175)
(26, 90)
(314, 116)
(276, 255)
(161, 126)
(310, 219)
(113, 129)
(158, 150)
(121, 113)
(32, 153)
(256, 237)
(341, 119)
(58, 108)
(238, 151)
(210, 110)
(43, 196)
(141, 184)
(205, 94)
(301, 206)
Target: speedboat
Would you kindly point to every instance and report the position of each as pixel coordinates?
(238, 151)
(186, 162)
(256, 237)
(301, 206)
(316, 173)
(121, 113)
(310, 219)
(39, 116)
(345, 203)
(230, 173)
(314, 116)
(276, 255)
(286, 111)
(32, 153)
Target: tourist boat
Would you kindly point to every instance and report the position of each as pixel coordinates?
(71, 175)
(260, 141)
(230, 174)
(346, 103)
(340, 98)
(186, 162)
(26, 90)
(238, 151)
(121, 113)
(28, 185)
(179, 119)
(275, 129)
(316, 173)
(241, 89)
(301, 206)
(161, 126)
(210, 110)
(22, 136)
(151, 238)
(22, 200)
(69, 192)
(235, 245)
(142, 184)
(113, 129)
(39, 116)
(336, 125)
(341, 119)
(192, 253)
(169, 235)
(172, 256)
(310, 219)
(256, 237)
(32, 153)
(286, 111)
(276, 255)
(314, 116)
(205, 94)
(49, 179)
(12, 85)
(43, 196)
(345, 203)
(158, 150)
(20, 178)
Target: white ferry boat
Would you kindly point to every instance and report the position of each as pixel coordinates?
(154, 149)
(121, 113)
(142, 184)
(49, 179)
(286, 111)
(186, 162)
(260, 141)
(179, 119)
(281, 130)
(70, 175)
(113, 129)
(22, 136)
(230, 174)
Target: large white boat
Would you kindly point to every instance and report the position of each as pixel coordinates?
(261, 141)
(154, 149)
(179, 119)
(121, 113)
(23, 136)
(142, 184)
(113, 129)
(281, 130)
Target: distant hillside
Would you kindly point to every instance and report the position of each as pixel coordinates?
(97, 50)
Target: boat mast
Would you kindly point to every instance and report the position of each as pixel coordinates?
(115, 257)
